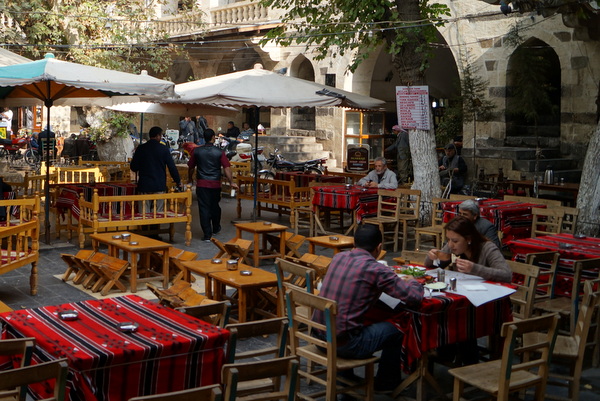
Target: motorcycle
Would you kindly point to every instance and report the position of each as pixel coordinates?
(184, 153)
(19, 148)
(244, 152)
(227, 145)
(276, 163)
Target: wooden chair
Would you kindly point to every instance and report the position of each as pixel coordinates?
(514, 372)
(180, 294)
(17, 348)
(14, 378)
(238, 332)
(235, 374)
(388, 215)
(74, 267)
(324, 363)
(215, 313)
(539, 201)
(293, 242)
(221, 246)
(569, 220)
(319, 263)
(408, 257)
(292, 274)
(176, 256)
(546, 221)
(570, 350)
(111, 270)
(436, 229)
(206, 393)
(458, 197)
(568, 307)
(548, 262)
(239, 248)
(525, 278)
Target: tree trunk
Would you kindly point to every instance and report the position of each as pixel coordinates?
(427, 179)
(588, 200)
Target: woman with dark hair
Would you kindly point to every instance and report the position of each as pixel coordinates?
(476, 254)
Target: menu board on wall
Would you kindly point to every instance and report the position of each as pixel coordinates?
(357, 158)
(412, 103)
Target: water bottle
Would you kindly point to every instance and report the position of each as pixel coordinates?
(549, 176)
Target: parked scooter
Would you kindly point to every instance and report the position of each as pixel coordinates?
(19, 148)
(245, 153)
(276, 163)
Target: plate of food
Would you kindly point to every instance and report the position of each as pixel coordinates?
(439, 286)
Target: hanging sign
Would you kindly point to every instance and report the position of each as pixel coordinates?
(412, 104)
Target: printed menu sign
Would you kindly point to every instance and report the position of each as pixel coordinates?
(412, 103)
(357, 158)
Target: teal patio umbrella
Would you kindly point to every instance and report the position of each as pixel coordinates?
(49, 80)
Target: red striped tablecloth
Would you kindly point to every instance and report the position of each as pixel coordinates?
(443, 320)
(512, 218)
(356, 198)
(68, 196)
(169, 351)
(570, 249)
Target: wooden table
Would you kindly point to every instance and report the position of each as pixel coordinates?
(260, 228)
(356, 200)
(572, 189)
(169, 351)
(343, 242)
(204, 268)
(245, 285)
(145, 246)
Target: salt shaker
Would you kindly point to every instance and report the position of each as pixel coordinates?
(441, 276)
(453, 284)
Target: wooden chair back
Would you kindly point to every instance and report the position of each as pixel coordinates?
(436, 229)
(521, 367)
(22, 347)
(548, 262)
(14, 378)
(180, 294)
(236, 374)
(388, 203)
(292, 274)
(206, 393)
(216, 313)
(569, 222)
(458, 197)
(538, 201)
(239, 332)
(318, 262)
(546, 221)
(316, 341)
(525, 278)
(410, 257)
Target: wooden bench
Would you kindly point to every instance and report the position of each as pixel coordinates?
(237, 169)
(127, 212)
(31, 184)
(281, 197)
(19, 237)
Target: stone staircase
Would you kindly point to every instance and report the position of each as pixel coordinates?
(296, 148)
(520, 161)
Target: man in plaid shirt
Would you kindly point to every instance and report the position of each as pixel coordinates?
(356, 280)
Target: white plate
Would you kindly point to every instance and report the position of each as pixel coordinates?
(436, 286)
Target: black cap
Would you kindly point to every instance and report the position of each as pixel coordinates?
(451, 146)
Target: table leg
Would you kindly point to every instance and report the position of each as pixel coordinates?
(318, 224)
(165, 269)
(421, 375)
(256, 255)
(133, 277)
(208, 287)
(311, 247)
(242, 305)
(282, 244)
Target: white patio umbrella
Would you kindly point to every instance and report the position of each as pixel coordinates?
(49, 79)
(260, 88)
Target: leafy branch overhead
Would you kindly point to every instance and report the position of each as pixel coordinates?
(117, 35)
(335, 28)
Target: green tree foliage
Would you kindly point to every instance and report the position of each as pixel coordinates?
(334, 28)
(117, 35)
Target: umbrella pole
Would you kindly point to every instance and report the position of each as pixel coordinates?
(256, 118)
(48, 104)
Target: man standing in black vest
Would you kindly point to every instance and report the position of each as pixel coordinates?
(208, 160)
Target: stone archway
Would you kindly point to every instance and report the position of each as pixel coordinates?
(533, 94)
(302, 118)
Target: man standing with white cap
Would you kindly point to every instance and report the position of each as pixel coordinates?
(402, 147)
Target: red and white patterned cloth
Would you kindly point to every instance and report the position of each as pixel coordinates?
(361, 200)
(442, 320)
(570, 249)
(169, 351)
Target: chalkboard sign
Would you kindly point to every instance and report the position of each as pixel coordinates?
(357, 158)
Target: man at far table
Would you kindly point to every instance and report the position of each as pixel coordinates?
(208, 159)
(380, 177)
(470, 210)
(356, 280)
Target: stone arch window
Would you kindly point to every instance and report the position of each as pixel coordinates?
(533, 95)
(302, 118)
